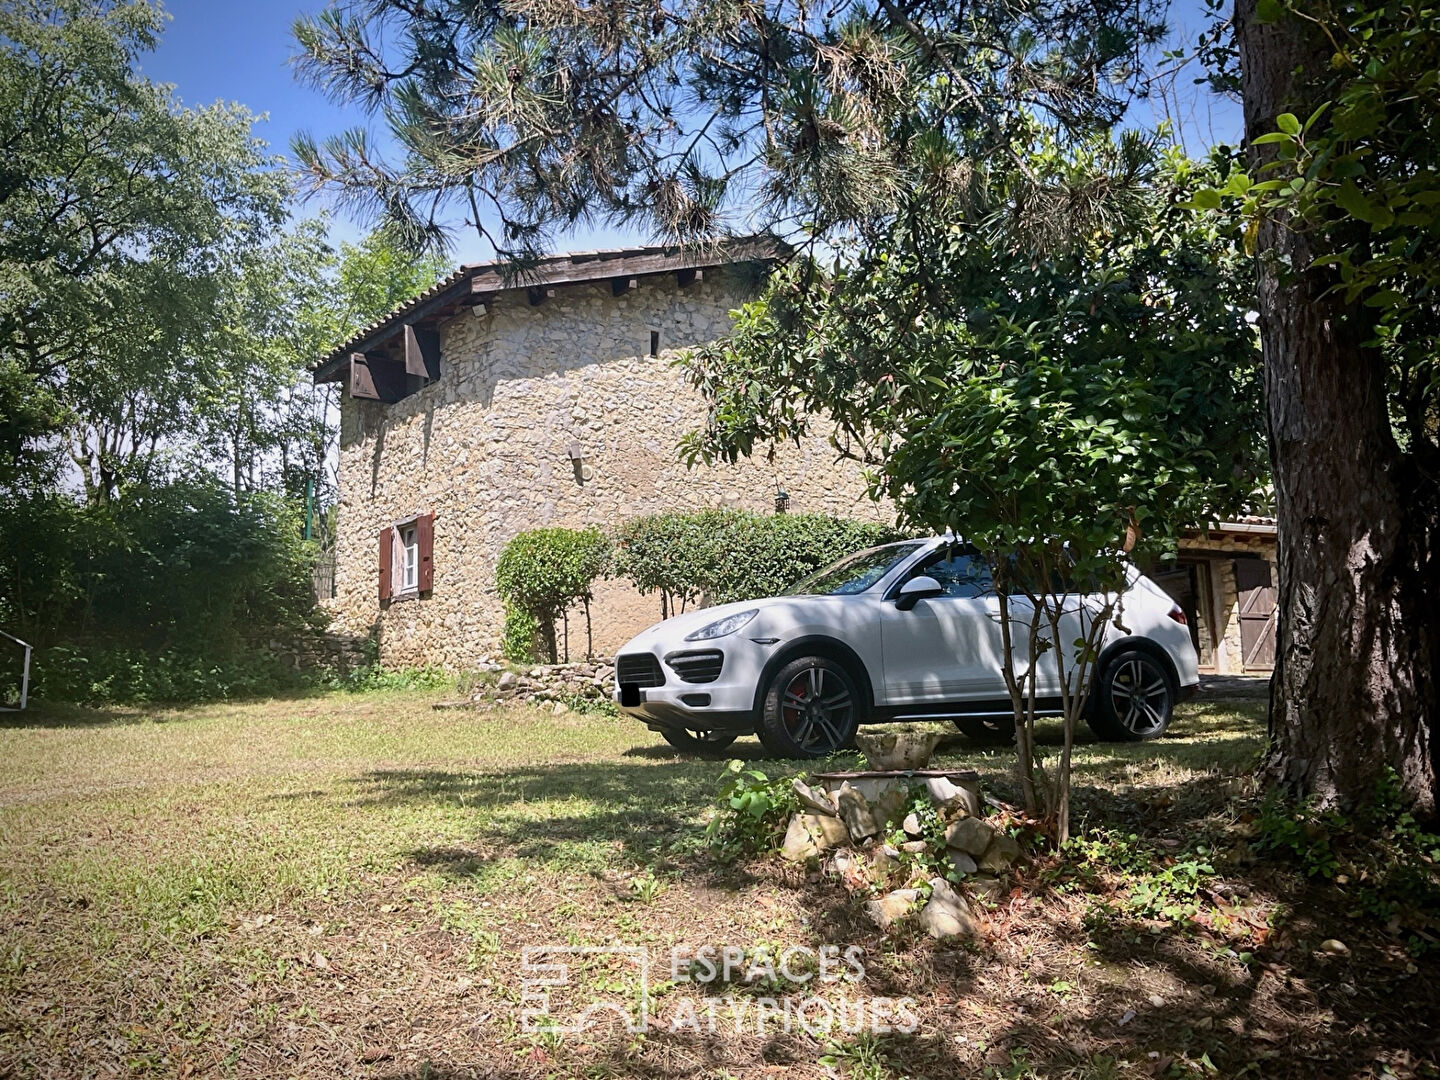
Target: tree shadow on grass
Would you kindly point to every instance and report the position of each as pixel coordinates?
(64, 714)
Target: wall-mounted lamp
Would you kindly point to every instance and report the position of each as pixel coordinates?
(583, 472)
(782, 500)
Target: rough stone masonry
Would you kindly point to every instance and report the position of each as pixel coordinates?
(487, 448)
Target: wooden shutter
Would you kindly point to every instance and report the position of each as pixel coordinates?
(386, 549)
(425, 543)
(422, 353)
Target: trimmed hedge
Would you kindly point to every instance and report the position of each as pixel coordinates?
(726, 555)
(542, 572)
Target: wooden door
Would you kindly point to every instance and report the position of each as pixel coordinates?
(1257, 612)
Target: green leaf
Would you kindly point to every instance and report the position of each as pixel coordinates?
(1289, 123)
(1272, 137)
(1350, 199)
(1204, 199)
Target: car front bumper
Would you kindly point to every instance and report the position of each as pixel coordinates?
(726, 703)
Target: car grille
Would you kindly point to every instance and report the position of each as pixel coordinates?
(639, 669)
(697, 667)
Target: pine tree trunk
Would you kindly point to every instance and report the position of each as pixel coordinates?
(1355, 687)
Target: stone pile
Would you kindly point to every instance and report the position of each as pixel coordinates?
(548, 686)
(886, 834)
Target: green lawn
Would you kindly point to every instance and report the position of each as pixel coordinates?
(341, 886)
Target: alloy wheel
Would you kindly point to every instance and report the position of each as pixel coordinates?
(1140, 695)
(817, 709)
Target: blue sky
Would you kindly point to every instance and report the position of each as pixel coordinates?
(214, 50)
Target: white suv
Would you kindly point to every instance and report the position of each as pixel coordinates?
(907, 631)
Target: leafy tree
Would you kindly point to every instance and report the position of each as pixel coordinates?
(687, 119)
(544, 571)
(1341, 202)
(114, 203)
(1052, 408)
(283, 303)
(168, 592)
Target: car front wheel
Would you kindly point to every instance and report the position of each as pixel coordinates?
(811, 709)
(697, 742)
(1134, 698)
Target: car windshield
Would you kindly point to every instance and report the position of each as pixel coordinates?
(855, 573)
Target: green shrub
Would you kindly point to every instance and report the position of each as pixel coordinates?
(753, 813)
(726, 555)
(375, 677)
(115, 674)
(520, 639)
(544, 571)
(171, 593)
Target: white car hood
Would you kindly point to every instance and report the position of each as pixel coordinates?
(674, 630)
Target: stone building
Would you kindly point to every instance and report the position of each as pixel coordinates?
(487, 406)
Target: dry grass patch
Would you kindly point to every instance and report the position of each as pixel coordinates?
(342, 885)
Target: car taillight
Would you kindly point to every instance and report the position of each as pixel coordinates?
(1178, 614)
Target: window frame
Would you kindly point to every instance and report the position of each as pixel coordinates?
(408, 536)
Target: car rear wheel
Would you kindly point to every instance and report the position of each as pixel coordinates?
(991, 730)
(811, 709)
(1134, 698)
(697, 742)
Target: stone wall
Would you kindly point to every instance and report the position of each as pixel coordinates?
(485, 449)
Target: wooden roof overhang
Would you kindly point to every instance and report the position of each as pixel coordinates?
(377, 362)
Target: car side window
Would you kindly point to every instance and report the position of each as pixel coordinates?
(960, 570)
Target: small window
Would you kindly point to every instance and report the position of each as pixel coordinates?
(654, 342)
(410, 558)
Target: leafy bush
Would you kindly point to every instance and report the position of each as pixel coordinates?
(375, 677)
(170, 593)
(753, 811)
(1386, 864)
(520, 638)
(544, 571)
(106, 674)
(726, 555)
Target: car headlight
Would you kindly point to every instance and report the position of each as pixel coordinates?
(722, 627)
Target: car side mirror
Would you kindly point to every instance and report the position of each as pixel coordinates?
(917, 589)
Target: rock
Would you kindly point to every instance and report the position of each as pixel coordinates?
(856, 814)
(559, 707)
(964, 865)
(987, 888)
(946, 914)
(818, 801)
(915, 847)
(1003, 851)
(872, 787)
(1335, 947)
(970, 835)
(882, 866)
(912, 825)
(797, 845)
(506, 681)
(952, 796)
(898, 750)
(884, 910)
(888, 806)
(811, 834)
